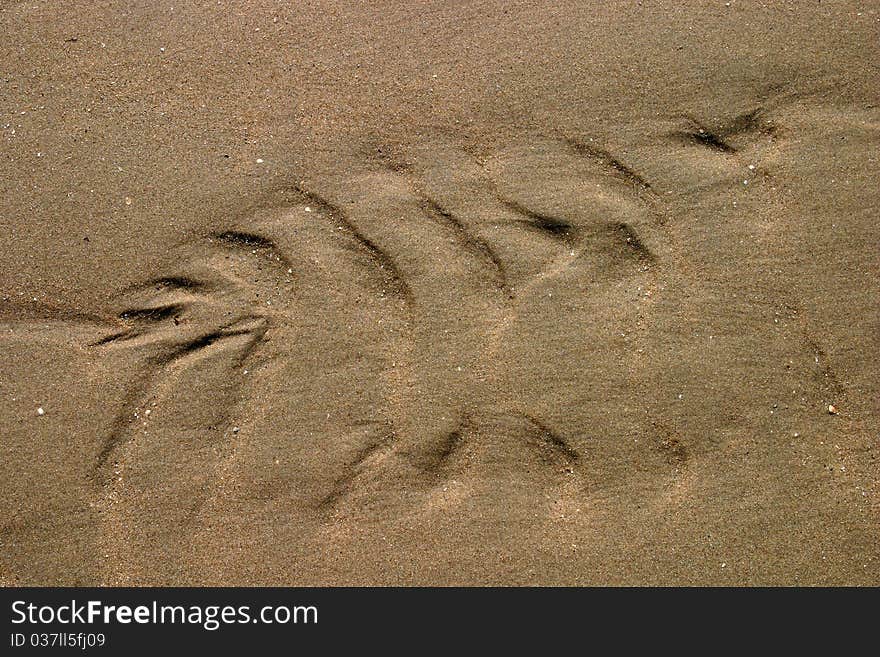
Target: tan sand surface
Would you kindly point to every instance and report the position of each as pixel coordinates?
(439, 292)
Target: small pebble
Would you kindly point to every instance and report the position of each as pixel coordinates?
(832, 409)
(40, 411)
(259, 160)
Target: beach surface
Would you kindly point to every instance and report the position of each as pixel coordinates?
(397, 293)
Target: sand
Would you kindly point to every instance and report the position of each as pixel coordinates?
(439, 293)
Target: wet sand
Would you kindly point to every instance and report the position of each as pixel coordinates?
(439, 293)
